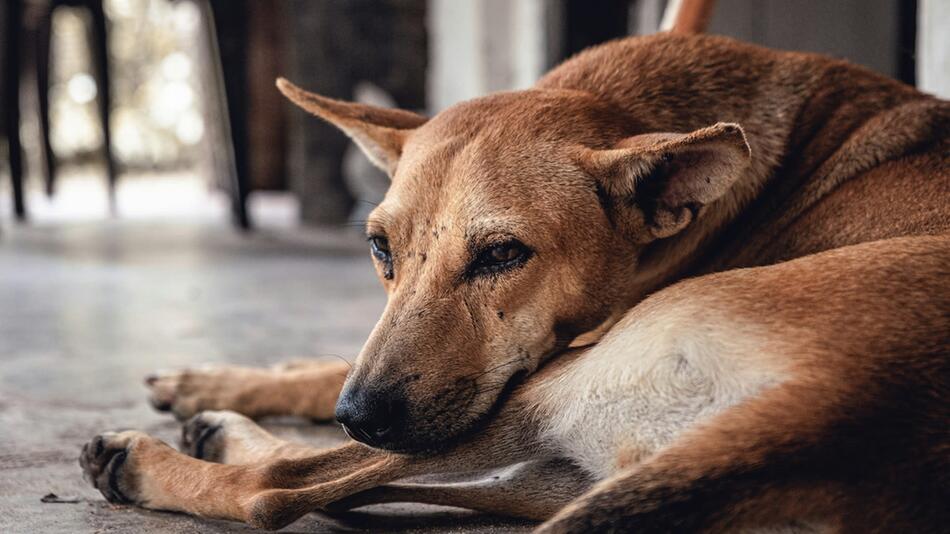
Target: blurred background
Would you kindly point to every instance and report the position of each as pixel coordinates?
(166, 108)
(161, 205)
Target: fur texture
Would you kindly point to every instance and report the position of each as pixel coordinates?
(787, 214)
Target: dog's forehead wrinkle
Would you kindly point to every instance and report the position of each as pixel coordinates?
(460, 185)
(489, 228)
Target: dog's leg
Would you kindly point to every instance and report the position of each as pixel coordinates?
(531, 490)
(231, 438)
(509, 439)
(304, 388)
(136, 468)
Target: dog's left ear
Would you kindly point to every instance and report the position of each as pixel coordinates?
(380, 132)
(666, 177)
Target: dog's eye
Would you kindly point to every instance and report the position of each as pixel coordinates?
(500, 257)
(503, 253)
(379, 246)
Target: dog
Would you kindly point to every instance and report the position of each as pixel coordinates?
(683, 283)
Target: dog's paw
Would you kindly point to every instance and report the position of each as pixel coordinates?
(187, 392)
(108, 463)
(226, 437)
(201, 438)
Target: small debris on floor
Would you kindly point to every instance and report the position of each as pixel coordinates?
(53, 498)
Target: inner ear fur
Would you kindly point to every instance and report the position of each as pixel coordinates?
(669, 176)
(379, 132)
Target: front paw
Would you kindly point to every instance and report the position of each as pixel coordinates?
(226, 437)
(108, 464)
(201, 438)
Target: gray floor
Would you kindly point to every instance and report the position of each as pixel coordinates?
(87, 309)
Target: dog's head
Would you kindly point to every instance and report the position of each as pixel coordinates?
(513, 224)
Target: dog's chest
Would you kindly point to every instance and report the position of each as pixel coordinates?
(639, 389)
(633, 394)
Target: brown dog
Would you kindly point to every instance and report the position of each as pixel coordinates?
(813, 392)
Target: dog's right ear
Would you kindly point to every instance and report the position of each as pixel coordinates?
(654, 185)
(380, 132)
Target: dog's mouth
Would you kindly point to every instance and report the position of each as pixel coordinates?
(452, 422)
(441, 434)
(362, 436)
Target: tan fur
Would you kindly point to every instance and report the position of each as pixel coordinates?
(775, 392)
(304, 388)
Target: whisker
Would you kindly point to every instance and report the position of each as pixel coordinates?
(341, 358)
(476, 376)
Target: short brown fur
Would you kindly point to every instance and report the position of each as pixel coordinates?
(627, 169)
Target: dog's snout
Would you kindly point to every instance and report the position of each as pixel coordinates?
(372, 416)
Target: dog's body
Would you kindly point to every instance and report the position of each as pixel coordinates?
(813, 393)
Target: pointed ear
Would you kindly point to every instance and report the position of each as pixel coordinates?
(380, 132)
(666, 177)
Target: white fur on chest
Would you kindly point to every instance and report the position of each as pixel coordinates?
(644, 383)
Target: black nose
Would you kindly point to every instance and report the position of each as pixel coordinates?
(373, 416)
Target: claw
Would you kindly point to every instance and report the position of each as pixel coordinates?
(102, 460)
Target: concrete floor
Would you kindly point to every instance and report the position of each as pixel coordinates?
(87, 309)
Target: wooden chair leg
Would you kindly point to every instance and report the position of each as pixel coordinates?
(230, 26)
(100, 53)
(11, 104)
(230, 22)
(42, 51)
(688, 16)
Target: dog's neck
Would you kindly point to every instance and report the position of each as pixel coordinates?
(851, 121)
(797, 111)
